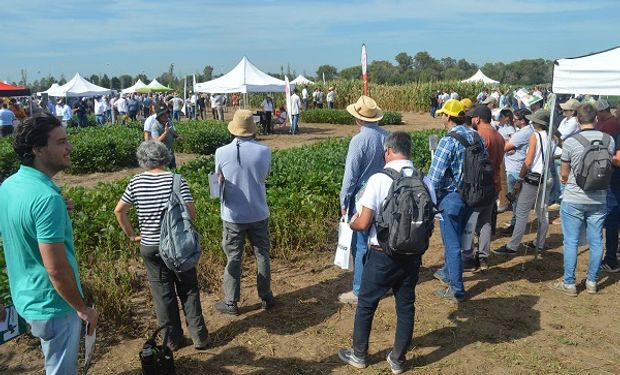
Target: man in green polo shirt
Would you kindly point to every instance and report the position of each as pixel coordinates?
(38, 244)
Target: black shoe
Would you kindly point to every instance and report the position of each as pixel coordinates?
(471, 265)
(203, 344)
(507, 231)
(225, 308)
(532, 245)
(267, 304)
(182, 342)
(504, 250)
(484, 264)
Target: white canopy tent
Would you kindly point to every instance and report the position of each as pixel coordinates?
(481, 77)
(78, 86)
(243, 78)
(132, 89)
(594, 74)
(301, 80)
(53, 87)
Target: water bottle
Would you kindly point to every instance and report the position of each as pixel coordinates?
(147, 360)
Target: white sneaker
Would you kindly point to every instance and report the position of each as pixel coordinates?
(348, 297)
(591, 287)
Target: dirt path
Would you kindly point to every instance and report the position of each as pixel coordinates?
(309, 133)
(512, 323)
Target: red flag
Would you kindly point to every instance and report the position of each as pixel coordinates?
(364, 74)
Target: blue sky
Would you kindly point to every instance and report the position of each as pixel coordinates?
(135, 36)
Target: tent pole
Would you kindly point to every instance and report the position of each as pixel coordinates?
(549, 163)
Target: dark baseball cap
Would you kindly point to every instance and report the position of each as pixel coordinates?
(483, 112)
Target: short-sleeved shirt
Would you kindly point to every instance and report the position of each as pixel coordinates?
(32, 211)
(245, 164)
(377, 189)
(156, 129)
(506, 131)
(572, 152)
(610, 126)
(520, 139)
(568, 126)
(6, 117)
(149, 193)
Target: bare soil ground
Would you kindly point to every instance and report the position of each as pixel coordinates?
(511, 323)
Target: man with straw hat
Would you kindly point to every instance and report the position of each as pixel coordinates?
(243, 166)
(364, 158)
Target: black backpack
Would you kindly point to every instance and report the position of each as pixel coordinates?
(407, 215)
(157, 359)
(595, 169)
(477, 188)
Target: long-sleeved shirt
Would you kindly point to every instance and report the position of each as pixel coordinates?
(364, 158)
(447, 165)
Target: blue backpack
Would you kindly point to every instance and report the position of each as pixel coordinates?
(179, 245)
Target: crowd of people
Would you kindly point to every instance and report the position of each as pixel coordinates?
(512, 144)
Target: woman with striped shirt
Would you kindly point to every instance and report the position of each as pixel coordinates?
(149, 193)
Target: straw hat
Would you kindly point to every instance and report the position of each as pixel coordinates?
(570, 105)
(242, 124)
(365, 109)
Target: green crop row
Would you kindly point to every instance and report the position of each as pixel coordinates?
(109, 148)
(341, 116)
(302, 194)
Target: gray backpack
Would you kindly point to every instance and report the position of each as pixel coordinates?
(407, 216)
(595, 169)
(179, 245)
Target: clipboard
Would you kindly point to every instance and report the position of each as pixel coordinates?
(12, 326)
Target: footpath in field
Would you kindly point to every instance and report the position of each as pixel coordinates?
(511, 323)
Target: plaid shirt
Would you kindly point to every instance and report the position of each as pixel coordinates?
(450, 154)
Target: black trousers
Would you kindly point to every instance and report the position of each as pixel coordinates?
(166, 286)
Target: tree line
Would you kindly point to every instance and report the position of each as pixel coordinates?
(421, 67)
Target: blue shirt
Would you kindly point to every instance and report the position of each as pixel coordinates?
(32, 211)
(6, 117)
(521, 140)
(245, 164)
(447, 165)
(364, 158)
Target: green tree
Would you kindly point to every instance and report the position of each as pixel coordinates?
(352, 72)
(330, 72)
(126, 81)
(383, 72)
(207, 73)
(405, 62)
(105, 81)
(94, 79)
(115, 83)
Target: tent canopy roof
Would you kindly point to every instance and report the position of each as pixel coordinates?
(78, 86)
(244, 78)
(132, 89)
(154, 86)
(12, 90)
(301, 80)
(594, 74)
(480, 77)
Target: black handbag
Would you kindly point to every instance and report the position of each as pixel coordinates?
(157, 359)
(534, 178)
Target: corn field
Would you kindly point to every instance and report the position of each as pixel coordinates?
(413, 96)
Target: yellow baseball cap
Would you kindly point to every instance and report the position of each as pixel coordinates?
(452, 107)
(466, 103)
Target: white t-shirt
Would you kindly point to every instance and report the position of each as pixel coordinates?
(121, 105)
(304, 93)
(267, 105)
(377, 188)
(568, 127)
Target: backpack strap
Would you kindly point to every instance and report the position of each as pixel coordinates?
(542, 152)
(582, 140)
(391, 173)
(462, 140)
(176, 183)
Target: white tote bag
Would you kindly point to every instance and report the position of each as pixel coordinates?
(343, 250)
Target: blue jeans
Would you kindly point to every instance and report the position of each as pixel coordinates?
(511, 180)
(454, 216)
(100, 119)
(60, 341)
(574, 217)
(359, 247)
(176, 115)
(556, 190)
(612, 225)
(294, 122)
(382, 273)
